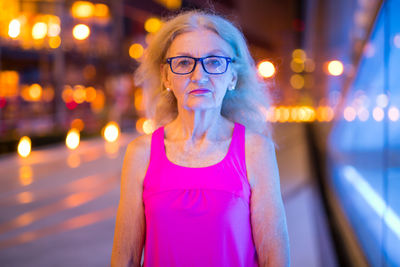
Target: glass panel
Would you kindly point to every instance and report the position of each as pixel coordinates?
(365, 152)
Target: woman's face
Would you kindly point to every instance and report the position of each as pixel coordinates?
(199, 89)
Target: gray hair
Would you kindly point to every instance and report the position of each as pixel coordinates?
(248, 104)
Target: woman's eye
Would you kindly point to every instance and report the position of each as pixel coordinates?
(184, 62)
(214, 62)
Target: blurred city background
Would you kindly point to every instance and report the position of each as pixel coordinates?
(69, 106)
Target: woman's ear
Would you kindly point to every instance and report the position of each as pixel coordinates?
(164, 76)
(234, 79)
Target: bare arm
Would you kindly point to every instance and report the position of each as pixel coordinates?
(130, 227)
(268, 217)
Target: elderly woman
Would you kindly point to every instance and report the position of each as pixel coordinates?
(203, 189)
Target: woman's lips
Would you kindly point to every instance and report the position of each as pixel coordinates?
(200, 91)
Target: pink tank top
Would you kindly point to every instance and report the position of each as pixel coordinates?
(198, 216)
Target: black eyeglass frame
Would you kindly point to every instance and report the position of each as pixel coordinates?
(201, 59)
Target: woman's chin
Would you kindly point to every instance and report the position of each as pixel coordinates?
(200, 104)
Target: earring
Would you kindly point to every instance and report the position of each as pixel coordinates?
(168, 89)
(232, 88)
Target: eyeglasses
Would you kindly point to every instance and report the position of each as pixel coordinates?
(211, 64)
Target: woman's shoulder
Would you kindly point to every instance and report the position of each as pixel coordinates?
(257, 141)
(139, 148)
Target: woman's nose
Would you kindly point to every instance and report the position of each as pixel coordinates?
(199, 73)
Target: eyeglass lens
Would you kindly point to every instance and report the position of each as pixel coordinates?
(213, 65)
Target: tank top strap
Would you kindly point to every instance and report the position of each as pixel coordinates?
(238, 141)
(157, 144)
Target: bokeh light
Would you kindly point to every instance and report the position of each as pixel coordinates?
(136, 51)
(335, 68)
(297, 65)
(81, 31)
(82, 9)
(378, 114)
(35, 92)
(363, 114)
(297, 81)
(14, 28)
(349, 114)
(396, 40)
(382, 100)
(24, 146)
(152, 25)
(101, 10)
(79, 94)
(148, 126)
(73, 139)
(55, 42)
(39, 30)
(54, 29)
(111, 132)
(300, 54)
(266, 69)
(77, 124)
(393, 113)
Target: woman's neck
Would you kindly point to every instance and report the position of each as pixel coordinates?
(198, 125)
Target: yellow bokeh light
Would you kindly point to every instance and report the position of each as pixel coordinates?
(55, 42)
(306, 113)
(111, 132)
(25, 175)
(35, 92)
(152, 25)
(282, 114)
(148, 126)
(297, 81)
(9, 83)
(73, 139)
(297, 65)
(81, 31)
(349, 114)
(77, 124)
(82, 9)
(97, 104)
(14, 28)
(54, 29)
(39, 30)
(90, 94)
(136, 51)
(139, 125)
(335, 67)
(393, 114)
(171, 4)
(138, 101)
(324, 113)
(67, 94)
(101, 10)
(266, 69)
(300, 54)
(24, 146)
(79, 94)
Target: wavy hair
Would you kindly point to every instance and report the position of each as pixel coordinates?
(248, 104)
